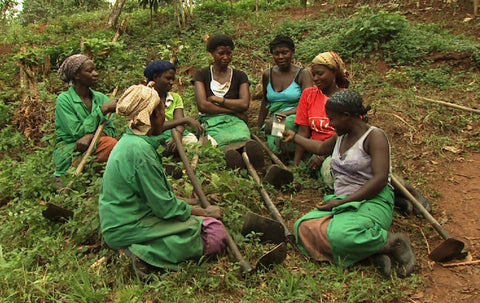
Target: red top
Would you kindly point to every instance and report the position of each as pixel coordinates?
(311, 113)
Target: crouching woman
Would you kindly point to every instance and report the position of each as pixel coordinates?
(139, 211)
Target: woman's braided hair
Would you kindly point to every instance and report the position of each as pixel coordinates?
(348, 101)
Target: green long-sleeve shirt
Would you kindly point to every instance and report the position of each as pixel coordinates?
(139, 210)
(73, 120)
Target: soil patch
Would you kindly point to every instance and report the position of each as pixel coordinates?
(457, 210)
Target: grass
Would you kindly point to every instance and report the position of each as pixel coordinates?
(41, 261)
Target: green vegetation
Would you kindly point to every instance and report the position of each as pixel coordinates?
(390, 59)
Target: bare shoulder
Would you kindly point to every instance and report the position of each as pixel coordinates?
(266, 73)
(305, 78)
(376, 139)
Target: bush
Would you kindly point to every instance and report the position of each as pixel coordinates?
(368, 30)
(5, 114)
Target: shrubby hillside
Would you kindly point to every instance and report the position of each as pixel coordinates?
(396, 56)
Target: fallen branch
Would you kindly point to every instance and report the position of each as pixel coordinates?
(88, 247)
(474, 262)
(451, 56)
(99, 262)
(120, 30)
(450, 105)
(403, 120)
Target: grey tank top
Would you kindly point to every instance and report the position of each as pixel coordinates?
(354, 168)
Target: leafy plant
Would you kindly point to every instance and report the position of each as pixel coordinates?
(5, 114)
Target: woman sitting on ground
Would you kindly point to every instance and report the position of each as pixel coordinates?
(329, 75)
(163, 73)
(282, 85)
(352, 224)
(223, 97)
(139, 211)
(78, 113)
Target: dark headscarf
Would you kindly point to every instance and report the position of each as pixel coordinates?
(157, 68)
(347, 101)
(70, 66)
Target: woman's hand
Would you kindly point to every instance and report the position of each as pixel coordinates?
(109, 107)
(330, 204)
(171, 146)
(83, 143)
(216, 100)
(288, 135)
(268, 126)
(191, 201)
(199, 129)
(315, 162)
(213, 211)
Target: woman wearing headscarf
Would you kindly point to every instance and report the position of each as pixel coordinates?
(329, 76)
(139, 211)
(78, 113)
(163, 72)
(353, 223)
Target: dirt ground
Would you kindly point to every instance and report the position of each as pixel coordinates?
(457, 210)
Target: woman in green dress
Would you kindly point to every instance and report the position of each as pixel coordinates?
(139, 211)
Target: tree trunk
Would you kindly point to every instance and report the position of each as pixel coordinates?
(183, 12)
(115, 14)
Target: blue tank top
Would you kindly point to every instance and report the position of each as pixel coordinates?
(289, 95)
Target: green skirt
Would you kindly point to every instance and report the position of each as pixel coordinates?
(161, 243)
(225, 129)
(357, 229)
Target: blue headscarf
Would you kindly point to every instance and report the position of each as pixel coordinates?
(157, 67)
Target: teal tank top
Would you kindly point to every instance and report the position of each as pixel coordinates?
(289, 96)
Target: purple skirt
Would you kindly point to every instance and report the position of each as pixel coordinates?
(214, 236)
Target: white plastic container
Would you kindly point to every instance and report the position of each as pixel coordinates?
(279, 123)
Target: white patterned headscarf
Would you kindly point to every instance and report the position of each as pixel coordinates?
(137, 104)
